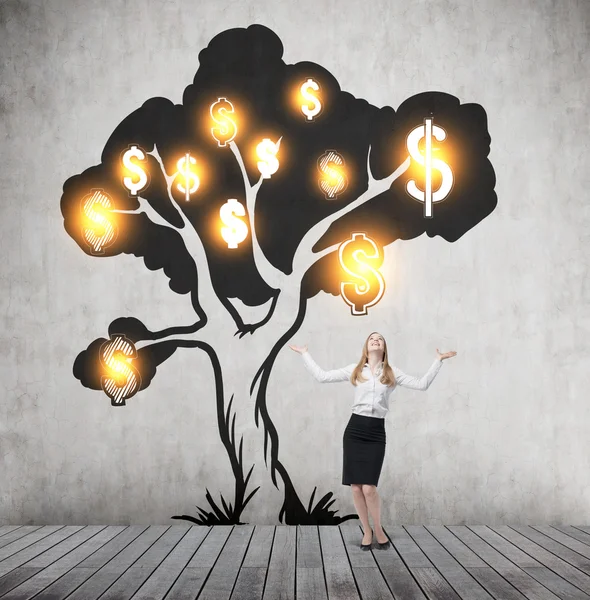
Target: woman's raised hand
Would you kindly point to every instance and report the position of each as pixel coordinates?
(445, 355)
(300, 349)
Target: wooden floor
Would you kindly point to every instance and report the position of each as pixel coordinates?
(287, 562)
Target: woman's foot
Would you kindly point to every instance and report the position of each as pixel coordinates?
(381, 537)
(367, 539)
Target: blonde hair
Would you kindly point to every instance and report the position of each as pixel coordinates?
(387, 376)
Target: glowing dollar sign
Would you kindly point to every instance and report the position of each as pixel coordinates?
(236, 230)
(316, 108)
(123, 380)
(191, 181)
(360, 258)
(268, 163)
(426, 131)
(333, 180)
(227, 129)
(103, 231)
(134, 186)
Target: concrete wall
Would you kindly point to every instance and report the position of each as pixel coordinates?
(502, 434)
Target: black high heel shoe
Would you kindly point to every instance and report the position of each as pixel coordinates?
(367, 546)
(384, 545)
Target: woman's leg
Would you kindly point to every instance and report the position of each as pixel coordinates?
(361, 508)
(372, 501)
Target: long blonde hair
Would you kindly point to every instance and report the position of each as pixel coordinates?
(387, 376)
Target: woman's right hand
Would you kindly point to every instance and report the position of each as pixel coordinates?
(300, 349)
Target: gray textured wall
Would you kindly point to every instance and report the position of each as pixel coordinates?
(502, 434)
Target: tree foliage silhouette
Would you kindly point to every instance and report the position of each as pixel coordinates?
(294, 231)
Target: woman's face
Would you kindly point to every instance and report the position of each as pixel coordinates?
(375, 343)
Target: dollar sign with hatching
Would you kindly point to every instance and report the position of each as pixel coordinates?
(268, 163)
(103, 231)
(427, 131)
(123, 380)
(227, 128)
(191, 181)
(134, 186)
(333, 181)
(360, 258)
(235, 230)
(316, 106)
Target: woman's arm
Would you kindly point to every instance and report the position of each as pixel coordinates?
(413, 382)
(322, 376)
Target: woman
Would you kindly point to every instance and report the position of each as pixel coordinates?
(364, 436)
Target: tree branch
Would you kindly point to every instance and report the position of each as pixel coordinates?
(304, 256)
(274, 277)
(207, 297)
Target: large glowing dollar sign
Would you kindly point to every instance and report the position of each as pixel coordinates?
(333, 181)
(266, 152)
(103, 232)
(426, 131)
(191, 181)
(123, 379)
(227, 128)
(359, 257)
(235, 230)
(314, 110)
(134, 186)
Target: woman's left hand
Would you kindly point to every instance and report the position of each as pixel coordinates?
(445, 355)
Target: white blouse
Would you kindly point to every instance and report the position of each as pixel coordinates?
(371, 397)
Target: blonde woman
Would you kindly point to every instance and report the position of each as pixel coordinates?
(364, 437)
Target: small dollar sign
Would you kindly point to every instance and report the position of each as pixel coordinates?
(134, 186)
(191, 181)
(426, 131)
(103, 232)
(227, 129)
(359, 257)
(236, 230)
(268, 163)
(123, 380)
(333, 181)
(316, 108)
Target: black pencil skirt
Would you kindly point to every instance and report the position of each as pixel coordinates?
(363, 446)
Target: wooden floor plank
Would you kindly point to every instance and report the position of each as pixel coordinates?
(339, 578)
(280, 579)
(258, 554)
(521, 580)
(252, 576)
(107, 574)
(397, 575)
(574, 533)
(432, 583)
(249, 584)
(554, 582)
(246, 562)
(30, 540)
(4, 529)
(189, 584)
(459, 579)
(557, 540)
(368, 578)
(208, 552)
(223, 576)
(47, 538)
(61, 558)
(135, 576)
(535, 544)
(16, 534)
(75, 560)
(492, 582)
(310, 582)
(163, 578)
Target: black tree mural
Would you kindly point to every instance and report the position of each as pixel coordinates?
(306, 175)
